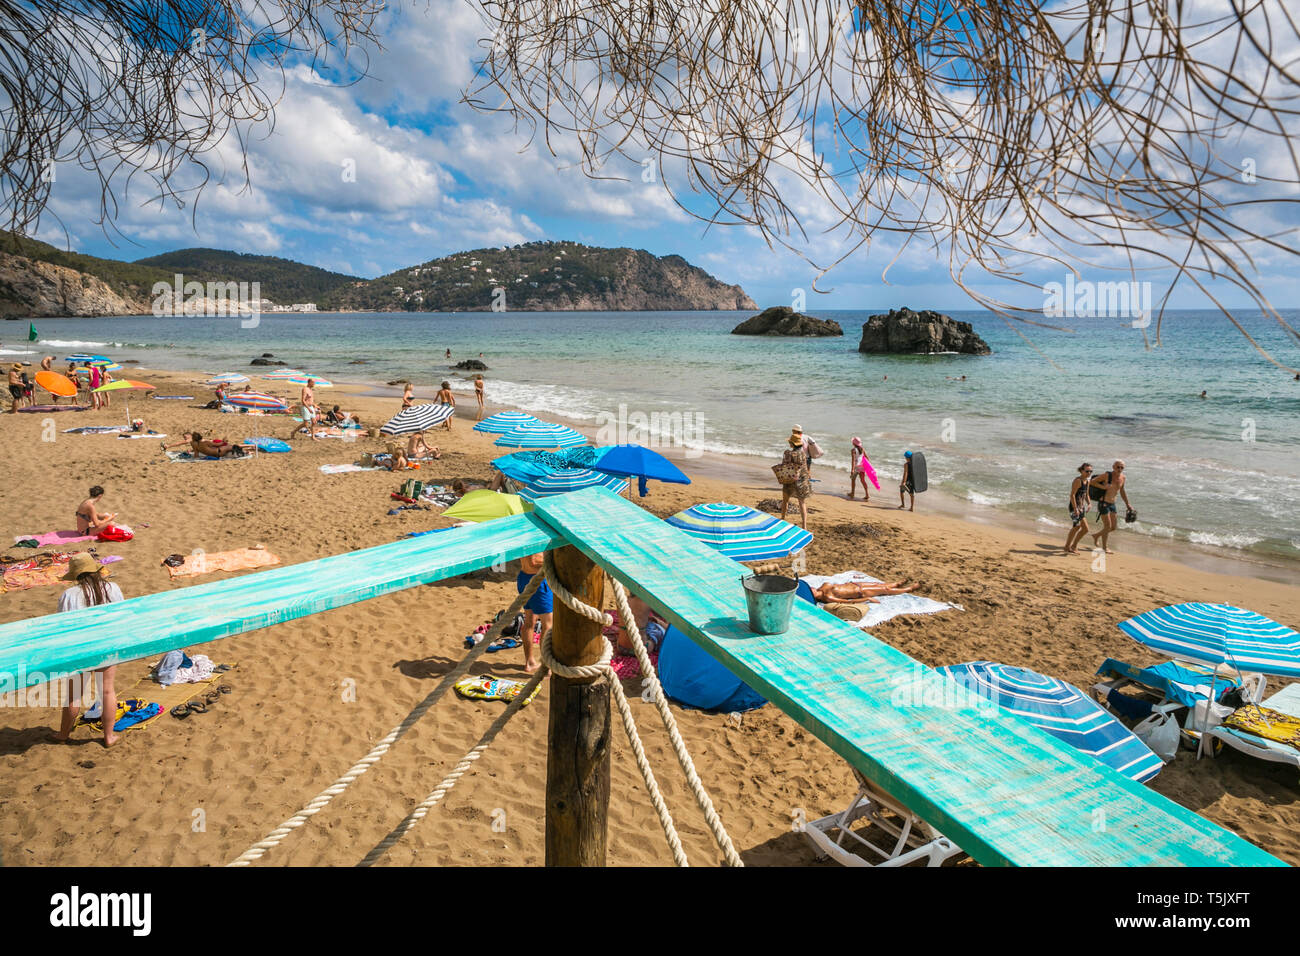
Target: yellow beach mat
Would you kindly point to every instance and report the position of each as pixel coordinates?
(1267, 723)
(239, 560)
(149, 691)
(488, 687)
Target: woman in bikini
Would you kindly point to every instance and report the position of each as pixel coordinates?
(1079, 506)
(89, 520)
(478, 394)
(417, 447)
(408, 396)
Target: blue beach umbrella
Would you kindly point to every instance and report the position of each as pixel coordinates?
(740, 533)
(1063, 711)
(541, 435)
(503, 422)
(570, 479)
(636, 461)
(1215, 634)
(521, 466)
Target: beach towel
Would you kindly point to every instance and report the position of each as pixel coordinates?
(174, 398)
(132, 712)
(345, 469)
(269, 444)
(143, 435)
(1267, 723)
(190, 456)
(55, 537)
(40, 571)
(176, 694)
(890, 606)
(97, 430)
(1183, 683)
(46, 409)
(488, 687)
(238, 560)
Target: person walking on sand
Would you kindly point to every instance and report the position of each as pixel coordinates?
(539, 607)
(444, 397)
(794, 478)
(1079, 505)
(15, 387)
(856, 471)
(907, 486)
(1111, 484)
(478, 394)
(92, 589)
(310, 413)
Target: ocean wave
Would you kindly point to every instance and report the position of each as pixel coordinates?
(1155, 530)
(989, 501)
(1238, 540)
(1051, 522)
(76, 343)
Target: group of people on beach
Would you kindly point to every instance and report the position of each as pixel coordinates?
(89, 377)
(1103, 489)
(794, 473)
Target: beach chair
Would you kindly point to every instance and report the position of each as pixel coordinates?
(1286, 701)
(913, 839)
(1175, 683)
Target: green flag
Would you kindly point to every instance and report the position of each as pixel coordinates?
(31, 332)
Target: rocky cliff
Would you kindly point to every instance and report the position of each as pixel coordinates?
(783, 320)
(32, 288)
(904, 332)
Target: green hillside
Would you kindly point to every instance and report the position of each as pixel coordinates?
(283, 281)
(128, 279)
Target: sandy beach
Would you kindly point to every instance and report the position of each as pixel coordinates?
(288, 728)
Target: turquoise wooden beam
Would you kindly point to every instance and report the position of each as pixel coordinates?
(33, 650)
(1006, 792)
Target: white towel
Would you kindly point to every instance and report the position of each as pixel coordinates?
(890, 606)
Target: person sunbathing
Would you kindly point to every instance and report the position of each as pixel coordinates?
(208, 448)
(417, 447)
(89, 520)
(856, 592)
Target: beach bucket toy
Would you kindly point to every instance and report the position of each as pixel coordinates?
(769, 598)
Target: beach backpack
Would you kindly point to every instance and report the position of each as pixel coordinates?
(114, 533)
(1095, 493)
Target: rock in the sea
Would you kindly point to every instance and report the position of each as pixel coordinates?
(904, 332)
(400, 381)
(267, 355)
(472, 365)
(266, 361)
(783, 320)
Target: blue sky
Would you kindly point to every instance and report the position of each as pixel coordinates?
(391, 171)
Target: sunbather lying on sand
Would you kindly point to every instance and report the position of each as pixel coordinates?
(856, 592)
(210, 447)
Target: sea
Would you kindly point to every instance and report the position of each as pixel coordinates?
(1216, 476)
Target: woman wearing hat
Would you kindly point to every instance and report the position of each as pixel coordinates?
(794, 465)
(91, 590)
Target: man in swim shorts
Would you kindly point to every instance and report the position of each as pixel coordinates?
(15, 386)
(539, 606)
(1112, 483)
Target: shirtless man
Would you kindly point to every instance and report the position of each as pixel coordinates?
(310, 413)
(15, 387)
(857, 592)
(89, 520)
(1113, 484)
(444, 397)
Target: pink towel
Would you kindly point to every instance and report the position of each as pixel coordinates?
(56, 537)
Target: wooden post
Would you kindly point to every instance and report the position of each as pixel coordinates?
(577, 756)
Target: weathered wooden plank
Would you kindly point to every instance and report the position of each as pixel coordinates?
(1003, 790)
(33, 650)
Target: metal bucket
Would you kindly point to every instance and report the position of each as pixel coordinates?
(769, 598)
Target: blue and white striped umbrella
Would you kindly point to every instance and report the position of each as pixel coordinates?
(503, 422)
(570, 479)
(541, 435)
(740, 533)
(228, 378)
(417, 418)
(1219, 633)
(1062, 710)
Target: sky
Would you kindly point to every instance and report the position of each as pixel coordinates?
(370, 177)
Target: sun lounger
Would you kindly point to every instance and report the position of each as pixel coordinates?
(1287, 701)
(1177, 683)
(913, 839)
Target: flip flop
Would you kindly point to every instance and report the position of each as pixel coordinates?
(180, 711)
(225, 688)
(197, 707)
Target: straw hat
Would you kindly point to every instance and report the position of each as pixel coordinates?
(83, 563)
(796, 438)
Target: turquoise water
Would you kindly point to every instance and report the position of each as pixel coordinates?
(1216, 473)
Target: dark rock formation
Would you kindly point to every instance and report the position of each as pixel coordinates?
(267, 355)
(783, 320)
(266, 361)
(400, 381)
(473, 365)
(904, 332)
